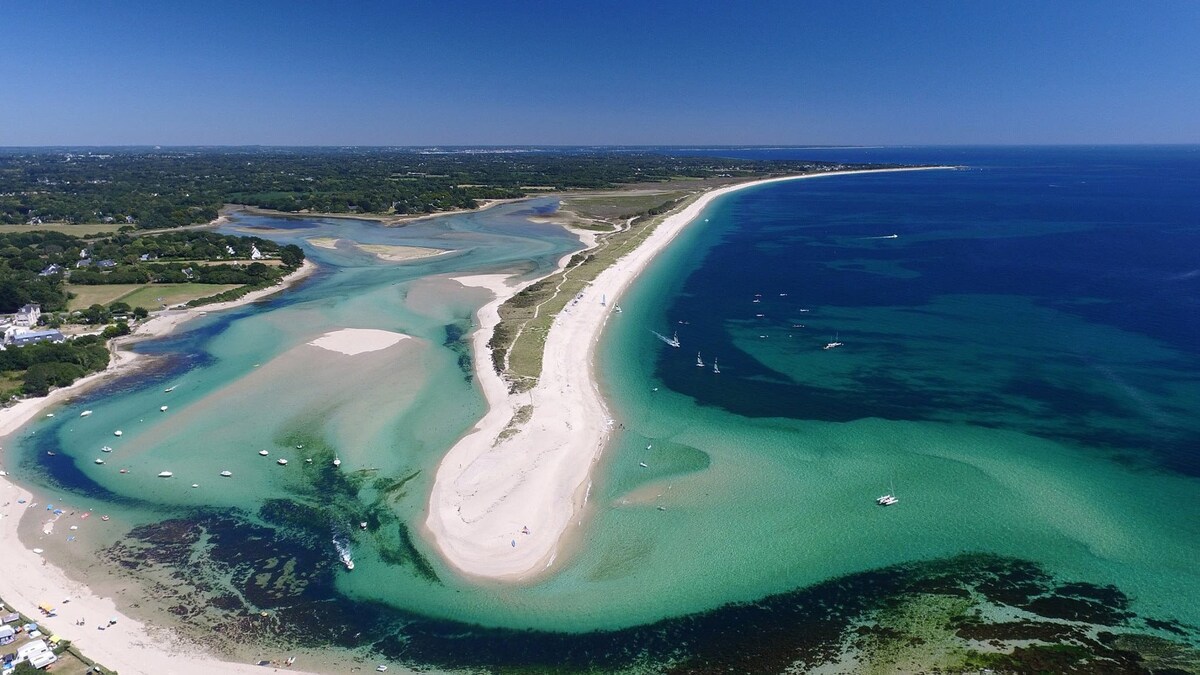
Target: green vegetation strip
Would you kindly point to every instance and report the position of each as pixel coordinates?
(519, 339)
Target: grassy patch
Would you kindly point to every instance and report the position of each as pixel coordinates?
(142, 295)
(73, 229)
(519, 339)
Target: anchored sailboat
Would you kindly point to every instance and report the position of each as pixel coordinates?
(835, 344)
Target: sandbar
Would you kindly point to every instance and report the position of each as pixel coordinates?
(351, 341)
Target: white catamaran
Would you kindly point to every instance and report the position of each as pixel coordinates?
(699, 361)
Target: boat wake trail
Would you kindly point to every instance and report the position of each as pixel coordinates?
(886, 236)
(672, 341)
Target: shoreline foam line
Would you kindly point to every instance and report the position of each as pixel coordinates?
(501, 502)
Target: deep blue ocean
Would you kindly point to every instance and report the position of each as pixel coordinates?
(1055, 289)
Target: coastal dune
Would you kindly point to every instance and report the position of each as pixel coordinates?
(507, 492)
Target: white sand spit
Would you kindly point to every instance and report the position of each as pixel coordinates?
(351, 341)
(500, 504)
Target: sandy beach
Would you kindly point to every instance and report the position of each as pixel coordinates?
(129, 646)
(501, 502)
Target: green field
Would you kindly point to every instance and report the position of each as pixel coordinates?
(150, 296)
(74, 229)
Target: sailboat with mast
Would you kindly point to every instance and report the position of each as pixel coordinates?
(716, 369)
(699, 361)
(833, 345)
(888, 499)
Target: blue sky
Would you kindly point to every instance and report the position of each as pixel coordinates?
(418, 73)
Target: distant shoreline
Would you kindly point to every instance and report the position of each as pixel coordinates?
(385, 220)
(502, 502)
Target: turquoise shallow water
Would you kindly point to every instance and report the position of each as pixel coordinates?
(1019, 366)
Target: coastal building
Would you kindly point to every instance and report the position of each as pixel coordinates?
(51, 270)
(19, 337)
(147, 257)
(84, 262)
(255, 254)
(28, 315)
(106, 264)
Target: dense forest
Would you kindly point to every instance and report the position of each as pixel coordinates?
(152, 188)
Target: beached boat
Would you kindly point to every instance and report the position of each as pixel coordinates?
(226, 474)
(165, 474)
(699, 361)
(85, 413)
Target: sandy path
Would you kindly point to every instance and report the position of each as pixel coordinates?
(499, 508)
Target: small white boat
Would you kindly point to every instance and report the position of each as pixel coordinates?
(699, 361)
(886, 500)
(165, 474)
(362, 525)
(195, 485)
(117, 432)
(281, 462)
(85, 413)
(618, 308)
(674, 341)
(643, 465)
(226, 474)
(337, 462)
(715, 368)
(169, 389)
(833, 345)
(106, 449)
(163, 409)
(49, 414)
(264, 453)
(99, 461)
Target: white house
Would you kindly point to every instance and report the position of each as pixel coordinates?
(28, 315)
(255, 254)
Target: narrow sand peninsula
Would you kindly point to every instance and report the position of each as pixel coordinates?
(500, 504)
(129, 646)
